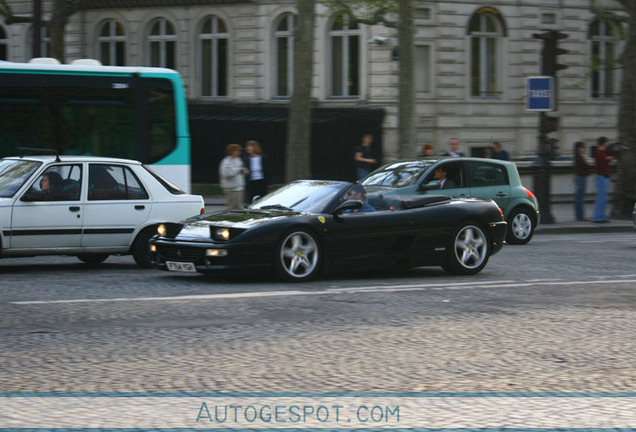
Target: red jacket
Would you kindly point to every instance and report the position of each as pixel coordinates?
(602, 163)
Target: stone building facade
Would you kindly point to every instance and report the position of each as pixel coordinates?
(472, 61)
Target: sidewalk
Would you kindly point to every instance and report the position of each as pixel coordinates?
(566, 223)
(563, 213)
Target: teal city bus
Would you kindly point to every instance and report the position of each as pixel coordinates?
(85, 108)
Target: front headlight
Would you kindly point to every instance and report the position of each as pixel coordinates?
(222, 233)
(162, 230)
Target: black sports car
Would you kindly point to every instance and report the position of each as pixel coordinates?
(311, 226)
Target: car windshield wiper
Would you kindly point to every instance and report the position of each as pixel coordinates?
(276, 207)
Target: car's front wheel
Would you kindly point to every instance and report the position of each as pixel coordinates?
(140, 249)
(469, 249)
(521, 226)
(298, 256)
(92, 258)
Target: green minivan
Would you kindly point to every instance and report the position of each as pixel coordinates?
(465, 177)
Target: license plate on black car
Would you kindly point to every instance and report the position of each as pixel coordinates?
(181, 266)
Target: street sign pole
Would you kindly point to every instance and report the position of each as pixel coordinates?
(543, 175)
(549, 68)
(541, 98)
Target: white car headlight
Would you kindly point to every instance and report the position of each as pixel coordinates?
(222, 233)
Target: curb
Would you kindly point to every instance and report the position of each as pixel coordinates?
(583, 228)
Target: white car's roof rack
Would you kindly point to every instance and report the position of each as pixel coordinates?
(17, 150)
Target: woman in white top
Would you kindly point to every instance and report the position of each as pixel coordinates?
(258, 164)
(232, 175)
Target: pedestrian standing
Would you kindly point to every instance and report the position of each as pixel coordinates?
(497, 152)
(582, 170)
(453, 148)
(364, 157)
(602, 174)
(258, 180)
(427, 151)
(232, 174)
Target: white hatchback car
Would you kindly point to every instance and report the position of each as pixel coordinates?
(89, 207)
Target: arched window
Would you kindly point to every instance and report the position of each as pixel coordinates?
(604, 36)
(4, 44)
(45, 42)
(111, 44)
(213, 49)
(485, 30)
(344, 37)
(284, 55)
(161, 43)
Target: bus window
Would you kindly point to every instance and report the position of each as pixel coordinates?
(97, 116)
(161, 114)
(124, 112)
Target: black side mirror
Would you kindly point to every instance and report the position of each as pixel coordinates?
(432, 185)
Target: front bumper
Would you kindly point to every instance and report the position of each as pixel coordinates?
(238, 256)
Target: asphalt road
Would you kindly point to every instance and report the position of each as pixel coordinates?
(558, 314)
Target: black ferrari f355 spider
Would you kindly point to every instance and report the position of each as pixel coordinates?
(313, 226)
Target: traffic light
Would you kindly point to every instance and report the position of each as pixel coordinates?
(553, 147)
(549, 65)
(549, 124)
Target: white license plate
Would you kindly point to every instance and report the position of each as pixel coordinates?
(181, 266)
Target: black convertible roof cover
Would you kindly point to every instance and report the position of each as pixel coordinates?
(421, 201)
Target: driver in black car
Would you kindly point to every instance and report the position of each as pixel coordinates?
(359, 193)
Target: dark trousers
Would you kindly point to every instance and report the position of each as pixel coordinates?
(579, 197)
(256, 188)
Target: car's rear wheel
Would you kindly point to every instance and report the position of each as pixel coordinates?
(140, 249)
(298, 256)
(469, 251)
(521, 226)
(92, 258)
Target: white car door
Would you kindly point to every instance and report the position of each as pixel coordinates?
(117, 203)
(49, 215)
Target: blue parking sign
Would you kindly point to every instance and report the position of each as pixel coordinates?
(540, 93)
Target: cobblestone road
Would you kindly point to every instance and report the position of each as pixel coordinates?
(572, 331)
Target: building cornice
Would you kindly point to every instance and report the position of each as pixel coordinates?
(129, 4)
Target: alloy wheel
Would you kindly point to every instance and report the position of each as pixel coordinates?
(299, 255)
